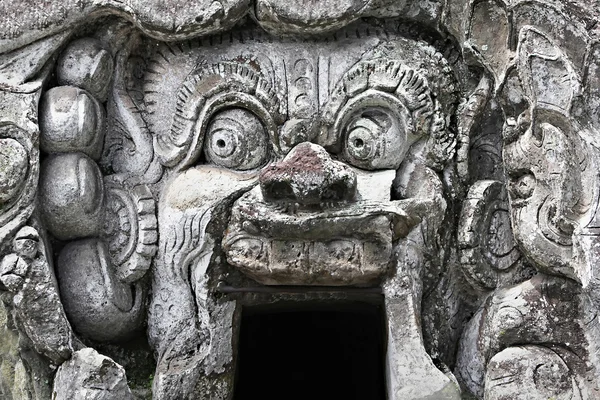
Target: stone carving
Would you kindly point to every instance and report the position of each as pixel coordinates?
(534, 369)
(19, 177)
(552, 187)
(310, 220)
(85, 64)
(154, 154)
(90, 375)
(488, 252)
(533, 312)
(71, 121)
(26, 274)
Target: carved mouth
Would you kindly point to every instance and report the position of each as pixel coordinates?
(342, 244)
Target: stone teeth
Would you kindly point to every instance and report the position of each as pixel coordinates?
(332, 262)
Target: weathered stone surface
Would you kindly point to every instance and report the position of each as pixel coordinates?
(534, 311)
(24, 373)
(488, 253)
(72, 195)
(13, 168)
(90, 375)
(86, 64)
(93, 296)
(28, 276)
(71, 121)
(188, 152)
(530, 372)
(26, 22)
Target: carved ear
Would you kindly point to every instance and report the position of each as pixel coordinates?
(387, 84)
(491, 47)
(130, 230)
(550, 80)
(488, 251)
(206, 91)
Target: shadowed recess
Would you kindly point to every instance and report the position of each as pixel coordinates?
(320, 352)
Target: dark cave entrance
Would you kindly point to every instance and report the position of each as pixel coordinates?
(312, 352)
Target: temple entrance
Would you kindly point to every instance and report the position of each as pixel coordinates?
(312, 352)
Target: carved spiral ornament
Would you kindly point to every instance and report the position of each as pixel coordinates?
(488, 252)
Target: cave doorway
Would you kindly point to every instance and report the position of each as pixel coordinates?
(312, 352)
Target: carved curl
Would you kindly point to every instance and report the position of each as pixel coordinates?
(488, 252)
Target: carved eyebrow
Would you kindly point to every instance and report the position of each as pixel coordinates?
(207, 90)
(379, 122)
(391, 79)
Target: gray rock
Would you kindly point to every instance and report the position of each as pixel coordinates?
(85, 64)
(91, 376)
(24, 373)
(530, 372)
(28, 276)
(13, 168)
(71, 120)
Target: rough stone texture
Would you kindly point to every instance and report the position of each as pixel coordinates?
(91, 376)
(28, 276)
(153, 153)
(24, 373)
(531, 369)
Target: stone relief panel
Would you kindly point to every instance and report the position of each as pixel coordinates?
(162, 164)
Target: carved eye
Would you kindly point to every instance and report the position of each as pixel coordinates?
(374, 139)
(236, 139)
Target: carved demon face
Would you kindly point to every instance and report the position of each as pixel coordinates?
(320, 212)
(295, 164)
(277, 163)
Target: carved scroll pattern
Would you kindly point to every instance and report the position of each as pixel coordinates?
(488, 253)
(550, 158)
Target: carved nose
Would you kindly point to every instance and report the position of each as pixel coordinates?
(308, 176)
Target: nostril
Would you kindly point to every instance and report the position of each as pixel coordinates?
(278, 190)
(282, 190)
(336, 191)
